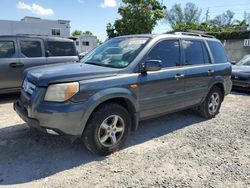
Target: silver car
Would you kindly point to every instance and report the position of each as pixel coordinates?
(18, 53)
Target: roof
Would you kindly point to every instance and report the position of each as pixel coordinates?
(35, 36)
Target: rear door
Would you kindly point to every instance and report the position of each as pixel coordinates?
(10, 68)
(59, 51)
(163, 91)
(199, 70)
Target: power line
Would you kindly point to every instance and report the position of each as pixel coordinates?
(232, 5)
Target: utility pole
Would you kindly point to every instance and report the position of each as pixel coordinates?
(207, 15)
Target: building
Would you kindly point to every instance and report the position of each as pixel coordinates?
(35, 26)
(85, 43)
(238, 47)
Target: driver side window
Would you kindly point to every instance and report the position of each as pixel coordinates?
(167, 51)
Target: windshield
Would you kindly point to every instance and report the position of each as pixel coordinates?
(244, 62)
(117, 52)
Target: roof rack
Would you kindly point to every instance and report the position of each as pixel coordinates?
(194, 34)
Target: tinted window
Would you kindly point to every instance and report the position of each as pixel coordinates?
(167, 51)
(7, 49)
(57, 48)
(193, 52)
(218, 51)
(31, 48)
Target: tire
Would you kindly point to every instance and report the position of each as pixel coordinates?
(107, 129)
(211, 105)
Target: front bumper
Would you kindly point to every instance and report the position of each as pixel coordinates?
(241, 83)
(61, 118)
(22, 112)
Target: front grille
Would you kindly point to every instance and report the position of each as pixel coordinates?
(28, 87)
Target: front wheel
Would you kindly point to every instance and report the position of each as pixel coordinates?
(107, 129)
(211, 105)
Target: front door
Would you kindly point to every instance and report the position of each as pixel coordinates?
(162, 91)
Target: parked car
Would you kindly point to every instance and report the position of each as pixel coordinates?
(123, 81)
(241, 74)
(20, 52)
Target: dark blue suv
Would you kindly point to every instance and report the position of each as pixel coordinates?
(123, 81)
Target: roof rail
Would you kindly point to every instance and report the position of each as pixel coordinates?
(23, 34)
(194, 34)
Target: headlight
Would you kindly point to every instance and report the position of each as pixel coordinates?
(61, 92)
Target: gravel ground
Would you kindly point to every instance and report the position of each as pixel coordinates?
(177, 150)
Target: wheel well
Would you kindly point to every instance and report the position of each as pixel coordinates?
(127, 104)
(221, 87)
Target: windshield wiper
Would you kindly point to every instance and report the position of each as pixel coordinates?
(92, 63)
(103, 65)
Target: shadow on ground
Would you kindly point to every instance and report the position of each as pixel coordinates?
(7, 98)
(27, 155)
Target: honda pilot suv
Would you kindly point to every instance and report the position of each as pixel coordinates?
(123, 81)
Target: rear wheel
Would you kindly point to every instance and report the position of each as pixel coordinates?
(107, 129)
(211, 105)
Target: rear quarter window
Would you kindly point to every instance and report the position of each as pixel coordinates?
(60, 48)
(218, 52)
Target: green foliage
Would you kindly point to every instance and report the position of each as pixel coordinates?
(138, 16)
(222, 26)
(78, 33)
(230, 35)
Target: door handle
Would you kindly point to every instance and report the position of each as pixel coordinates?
(210, 72)
(16, 65)
(179, 76)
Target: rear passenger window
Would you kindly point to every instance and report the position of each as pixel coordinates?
(218, 52)
(167, 51)
(31, 48)
(193, 52)
(7, 49)
(57, 48)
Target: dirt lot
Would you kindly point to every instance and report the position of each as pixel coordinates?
(178, 150)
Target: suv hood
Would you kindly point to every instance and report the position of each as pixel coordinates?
(68, 72)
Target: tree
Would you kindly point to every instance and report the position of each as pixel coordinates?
(224, 19)
(138, 16)
(87, 33)
(76, 33)
(177, 16)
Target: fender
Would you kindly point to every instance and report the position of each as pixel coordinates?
(212, 83)
(104, 95)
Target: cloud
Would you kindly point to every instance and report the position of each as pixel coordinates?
(35, 9)
(109, 3)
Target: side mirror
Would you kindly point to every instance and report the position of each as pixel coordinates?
(233, 62)
(151, 65)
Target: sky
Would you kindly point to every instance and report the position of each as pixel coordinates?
(93, 15)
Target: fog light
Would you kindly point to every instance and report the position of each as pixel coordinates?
(51, 132)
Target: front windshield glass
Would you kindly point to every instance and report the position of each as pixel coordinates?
(117, 52)
(244, 62)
